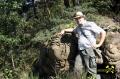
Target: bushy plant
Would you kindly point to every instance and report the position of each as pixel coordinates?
(103, 6)
(15, 36)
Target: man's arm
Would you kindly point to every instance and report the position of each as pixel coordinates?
(66, 30)
(102, 38)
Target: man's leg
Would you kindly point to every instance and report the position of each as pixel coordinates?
(79, 67)
(89, 59)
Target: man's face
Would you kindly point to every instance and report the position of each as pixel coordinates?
(79, 20)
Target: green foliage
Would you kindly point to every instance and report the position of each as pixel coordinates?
(103, 6)
(88, 8)
(28, 75)
(69, 75)
(10, 73)
(15, 36)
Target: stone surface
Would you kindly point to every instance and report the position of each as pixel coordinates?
(64, 49)
(112, 50)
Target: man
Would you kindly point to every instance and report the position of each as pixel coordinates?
(86, 33)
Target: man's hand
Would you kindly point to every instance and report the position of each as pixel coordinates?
(96, 45)
(102, 38)
(65, 30)
(62, 32)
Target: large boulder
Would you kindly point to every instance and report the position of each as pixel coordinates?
(112, 46)
(112, 50)
(64, 49)
(58, 56)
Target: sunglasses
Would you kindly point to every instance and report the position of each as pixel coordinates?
(78, 18)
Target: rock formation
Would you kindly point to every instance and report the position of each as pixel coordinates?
(61, 53)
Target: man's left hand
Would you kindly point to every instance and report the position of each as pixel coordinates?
(96, 45)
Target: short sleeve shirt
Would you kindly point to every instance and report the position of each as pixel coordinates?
(91, 30)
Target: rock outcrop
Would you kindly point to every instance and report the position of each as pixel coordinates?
(112, 50)
(65, 49)
(61, 52)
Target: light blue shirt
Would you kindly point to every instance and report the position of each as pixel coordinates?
(91, 30)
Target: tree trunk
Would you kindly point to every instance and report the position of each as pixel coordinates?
(67, 3)
(116, 6)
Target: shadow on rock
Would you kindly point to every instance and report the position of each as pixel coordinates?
(44, 65)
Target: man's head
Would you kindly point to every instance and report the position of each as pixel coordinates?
(79, 17)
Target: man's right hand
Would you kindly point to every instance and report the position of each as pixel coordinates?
(65, 30)
(62, 32)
